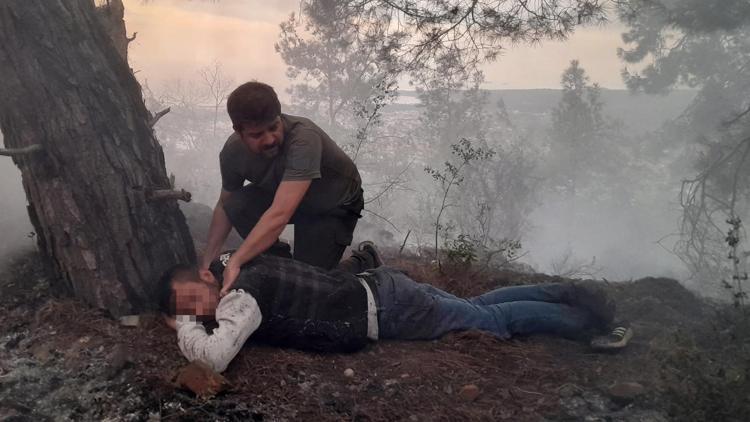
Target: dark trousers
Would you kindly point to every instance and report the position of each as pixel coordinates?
(319, 238)
(408, 310)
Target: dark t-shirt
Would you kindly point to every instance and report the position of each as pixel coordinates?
(307, 153)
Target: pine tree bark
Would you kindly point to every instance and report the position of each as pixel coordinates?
(64, 86)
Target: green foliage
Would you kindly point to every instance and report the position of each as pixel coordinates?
(462, 249)
(690, 41)
(584, 141)
(738, 276)
(431, 30)
(464, 153)
(451, 176)
(704, 45)
(343, 73)
(703, 386)
(465, 250)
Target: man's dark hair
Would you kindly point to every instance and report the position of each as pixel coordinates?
(252, 103)
(166, 304)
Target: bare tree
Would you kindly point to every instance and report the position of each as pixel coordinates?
(218, 86)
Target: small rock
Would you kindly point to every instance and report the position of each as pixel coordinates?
(469, 392)
(625, 392)
(42, 353)
(13, 342)
(130, 320)
(118, 360)
(201, 380)
(349, 372)
(568, 390)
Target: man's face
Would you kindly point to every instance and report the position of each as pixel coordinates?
(264, 138)
(199, 298)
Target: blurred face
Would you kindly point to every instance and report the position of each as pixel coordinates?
(264, 139)
(197, 297)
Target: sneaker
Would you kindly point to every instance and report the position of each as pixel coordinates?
(594, 299)
(617, 339)
(369, 248)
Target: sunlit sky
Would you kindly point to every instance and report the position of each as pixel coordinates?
(177, 37)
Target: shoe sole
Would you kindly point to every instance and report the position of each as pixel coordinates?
(614, 345)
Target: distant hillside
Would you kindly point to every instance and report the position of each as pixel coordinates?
(639, 112)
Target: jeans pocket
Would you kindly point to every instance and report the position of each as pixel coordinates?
(413, 313)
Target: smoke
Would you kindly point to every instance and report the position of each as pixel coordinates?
(14, 221)
(579, 239)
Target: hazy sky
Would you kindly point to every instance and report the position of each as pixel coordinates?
(177, 37)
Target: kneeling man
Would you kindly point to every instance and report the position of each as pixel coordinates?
(288, 303)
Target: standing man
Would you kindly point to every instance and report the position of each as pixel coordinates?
(297, 175)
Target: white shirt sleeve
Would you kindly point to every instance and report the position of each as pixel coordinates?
(238, 316)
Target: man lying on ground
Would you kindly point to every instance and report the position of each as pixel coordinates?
(289, 303)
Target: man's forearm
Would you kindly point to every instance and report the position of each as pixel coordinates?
(261, 237)
(238, 316)
(218, 231)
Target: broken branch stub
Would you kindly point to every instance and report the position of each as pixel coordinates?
(166, 194)
(14, 152)
(158, 116)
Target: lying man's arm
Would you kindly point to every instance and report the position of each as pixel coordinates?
(238, 316)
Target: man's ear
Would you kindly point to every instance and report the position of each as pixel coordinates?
(208, 277)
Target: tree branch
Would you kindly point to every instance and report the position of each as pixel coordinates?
(382, 218)
(131, 39)
(158, 116)
(12, 152)
(167, 194)
(737, 117)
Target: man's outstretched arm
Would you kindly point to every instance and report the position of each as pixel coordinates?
(238, 316)
(218, 231)
(288, 197)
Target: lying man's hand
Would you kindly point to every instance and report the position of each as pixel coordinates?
(169, 320)
(231, 271)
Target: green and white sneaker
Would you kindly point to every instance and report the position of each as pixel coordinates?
(615, 340)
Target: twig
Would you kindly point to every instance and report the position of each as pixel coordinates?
(390, 184)
(158, 116)
(165, 194)
(737, 118)
(382, 218)
(401, 249)
(12, 152)
(131, 39)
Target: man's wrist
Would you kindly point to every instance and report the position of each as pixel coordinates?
(205, 262)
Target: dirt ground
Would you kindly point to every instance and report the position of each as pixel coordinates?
(689, 361)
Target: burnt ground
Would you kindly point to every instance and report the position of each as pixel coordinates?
(62, 361)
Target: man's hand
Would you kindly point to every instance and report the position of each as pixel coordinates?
(218, 231)
(231, 271)
(267, 230)
(169, 320)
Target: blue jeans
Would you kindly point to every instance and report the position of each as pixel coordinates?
(409, 310)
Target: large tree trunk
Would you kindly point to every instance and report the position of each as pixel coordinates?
(64, 86)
